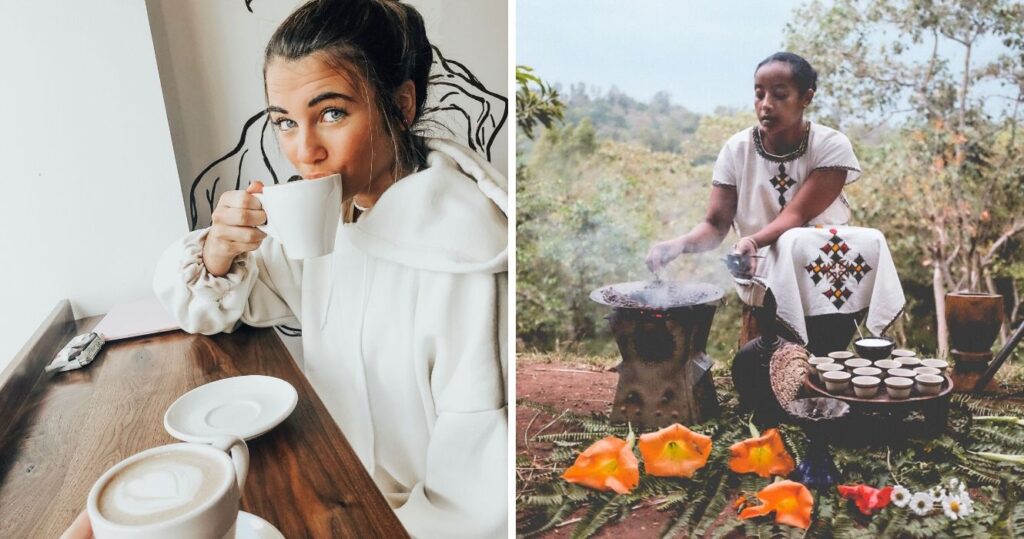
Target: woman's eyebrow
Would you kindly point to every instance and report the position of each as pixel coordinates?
(313, 102)
(329, 95)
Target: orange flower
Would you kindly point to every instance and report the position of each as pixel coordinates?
(791, 501)
(764, 455)
(674, 451)
(608, 464)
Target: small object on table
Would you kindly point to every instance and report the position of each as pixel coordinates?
(865, 387)
(814, 361)
(243, 406)
(874, 347)
(836, 382)
(928, 384)
(250, 526)
(909, 362)
(927, 370)
(867, 371)
(898, 387)
(901, 373)
(936, 364)
(903, 352)
(856, 363)
(840, 355)
(77, 353)
(822, 368)
(887, 364)
(816, 415)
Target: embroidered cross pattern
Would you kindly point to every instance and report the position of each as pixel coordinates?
(782, 182)
(834, 266)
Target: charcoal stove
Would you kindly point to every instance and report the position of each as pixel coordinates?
(662, 330)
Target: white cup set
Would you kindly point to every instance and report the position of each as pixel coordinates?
(902, 376)
(193, 489)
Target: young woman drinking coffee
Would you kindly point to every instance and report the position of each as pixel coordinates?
(404, 324)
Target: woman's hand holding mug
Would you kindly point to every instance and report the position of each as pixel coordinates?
(234, 229)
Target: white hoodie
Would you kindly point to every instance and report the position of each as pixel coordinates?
(403, 335)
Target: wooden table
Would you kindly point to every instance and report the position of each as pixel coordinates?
(60, 432)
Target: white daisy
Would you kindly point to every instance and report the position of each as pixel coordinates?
(921, 503)
(955, 508)
(900, 496)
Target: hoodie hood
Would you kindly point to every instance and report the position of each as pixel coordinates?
(450, 216)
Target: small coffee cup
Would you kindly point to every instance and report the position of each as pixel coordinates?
(909, 362)
(856, 363)
(836, 382)
(822, 368)
(928, 384)
(867, 371)
(942, 365)
(886, 364)
(903, 352)
(172, 491)
(814, 361)
(898, 387)
(865, 387)
(926, 370)
(901, 373)
(840, 355)
(303, 215)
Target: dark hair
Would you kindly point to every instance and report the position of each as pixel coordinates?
(804, 75)
(384, 39)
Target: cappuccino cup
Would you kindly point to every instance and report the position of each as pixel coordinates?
(303, 215)
(172, 491)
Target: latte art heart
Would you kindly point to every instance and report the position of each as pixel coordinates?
(160, 487)
(158, 490)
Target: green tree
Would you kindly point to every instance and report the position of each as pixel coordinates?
(952, 176)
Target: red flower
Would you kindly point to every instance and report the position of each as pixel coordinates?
(869, 500)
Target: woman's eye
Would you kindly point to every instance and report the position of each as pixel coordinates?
(284, 124)
(333, 115)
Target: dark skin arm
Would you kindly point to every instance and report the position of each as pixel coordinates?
(818, 192)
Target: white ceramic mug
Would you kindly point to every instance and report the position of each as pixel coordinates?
(303, 215)
(154, 488)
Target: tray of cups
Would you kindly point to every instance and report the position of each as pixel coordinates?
(900, 381)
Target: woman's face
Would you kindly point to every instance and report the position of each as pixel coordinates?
(326, 123)
(777, 100)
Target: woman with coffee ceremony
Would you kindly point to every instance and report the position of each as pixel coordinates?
(404, 323)
(769, 183)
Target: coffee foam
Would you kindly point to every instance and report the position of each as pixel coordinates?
(160, 487)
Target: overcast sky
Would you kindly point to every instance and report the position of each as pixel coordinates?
(702, 52)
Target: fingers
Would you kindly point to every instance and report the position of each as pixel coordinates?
(241, 199)
(255, 187)
(235, 216)
(237, 234)
(81, 528)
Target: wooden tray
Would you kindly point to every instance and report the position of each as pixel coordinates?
(881, 401)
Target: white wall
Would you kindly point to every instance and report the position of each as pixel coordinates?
(89, 194)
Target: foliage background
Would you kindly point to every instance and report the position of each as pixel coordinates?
(943, 171)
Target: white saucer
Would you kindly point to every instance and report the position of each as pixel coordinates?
(245, 406)
(250, 526)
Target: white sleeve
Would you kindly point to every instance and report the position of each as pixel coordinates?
(464, 489)
(724, 173)
(262, 288)
(834, 151)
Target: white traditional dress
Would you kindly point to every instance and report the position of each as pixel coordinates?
(827, 267)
